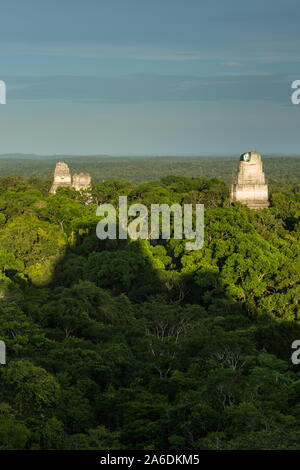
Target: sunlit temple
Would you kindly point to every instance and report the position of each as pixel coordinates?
(250, 187)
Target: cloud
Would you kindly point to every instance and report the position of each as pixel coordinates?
(111, 51)
(258, 51)
(232, 64)
(138, 88)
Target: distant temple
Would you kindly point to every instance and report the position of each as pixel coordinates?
(62, 178)
(81, 181)
(250, 187)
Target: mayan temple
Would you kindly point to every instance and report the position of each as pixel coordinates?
(81, 181)
(250, 187)
(62, 177)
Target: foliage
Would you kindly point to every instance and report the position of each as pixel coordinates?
(142, 344)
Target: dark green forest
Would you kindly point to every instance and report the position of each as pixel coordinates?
(279, 169)
(122, 344)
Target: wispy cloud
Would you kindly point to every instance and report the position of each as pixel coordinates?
(117, 51)
(137, 88)
(232, 64)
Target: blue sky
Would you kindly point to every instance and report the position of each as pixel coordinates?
(149, 77)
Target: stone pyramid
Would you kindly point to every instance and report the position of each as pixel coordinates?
(250, 187)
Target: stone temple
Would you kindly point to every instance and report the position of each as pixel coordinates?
(62, 178)
(250, 187)
(81, 181)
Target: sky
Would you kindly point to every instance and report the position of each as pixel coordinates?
(149, 77)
